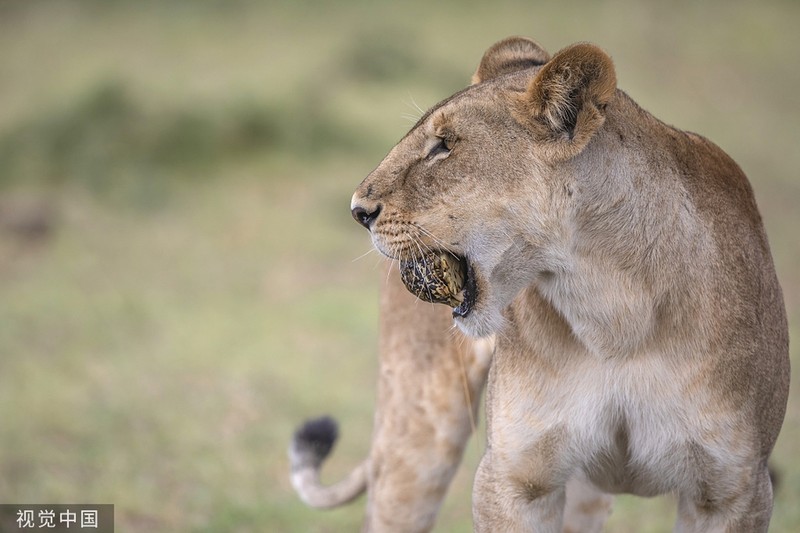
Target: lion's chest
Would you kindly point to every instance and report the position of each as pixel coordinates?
(641, 430)
(631, 426)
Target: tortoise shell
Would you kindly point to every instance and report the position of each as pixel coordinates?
(437, 277)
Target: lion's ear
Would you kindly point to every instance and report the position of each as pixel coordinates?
(567, 98)
(509, 55)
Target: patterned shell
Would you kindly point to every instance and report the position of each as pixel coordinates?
(436, 277)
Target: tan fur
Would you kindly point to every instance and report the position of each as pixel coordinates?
(430, 381)
(642, 343)
(510, 55)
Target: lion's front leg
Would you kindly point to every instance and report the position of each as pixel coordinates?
(509, 501)
(579, 508)
(717, 508)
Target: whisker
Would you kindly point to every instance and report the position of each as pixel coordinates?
(389, 269)
(446, 247)
(426, 247)
(453, 330)
(415, 106)
(365, 254)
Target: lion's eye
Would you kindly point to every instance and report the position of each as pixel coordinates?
(442, 146)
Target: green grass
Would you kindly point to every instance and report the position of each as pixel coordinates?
(198, 292)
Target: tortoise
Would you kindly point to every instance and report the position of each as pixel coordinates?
(435, 277)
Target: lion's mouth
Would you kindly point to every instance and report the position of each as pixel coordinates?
(441, 277)
(469, 292)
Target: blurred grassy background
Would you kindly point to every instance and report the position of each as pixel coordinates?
(178, 275)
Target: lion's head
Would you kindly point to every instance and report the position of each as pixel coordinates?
(489, 173)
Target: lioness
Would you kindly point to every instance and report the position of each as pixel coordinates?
(642, 340)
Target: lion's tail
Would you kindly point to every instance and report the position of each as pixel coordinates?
(311, 444)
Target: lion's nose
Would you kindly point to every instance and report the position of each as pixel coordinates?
(364, 216)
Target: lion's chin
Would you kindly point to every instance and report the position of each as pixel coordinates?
(477, 316)
(480, 323)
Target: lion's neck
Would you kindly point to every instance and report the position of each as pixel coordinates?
(629, 253)
(610, 311)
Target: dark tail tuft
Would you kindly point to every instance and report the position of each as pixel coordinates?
(313, 441)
